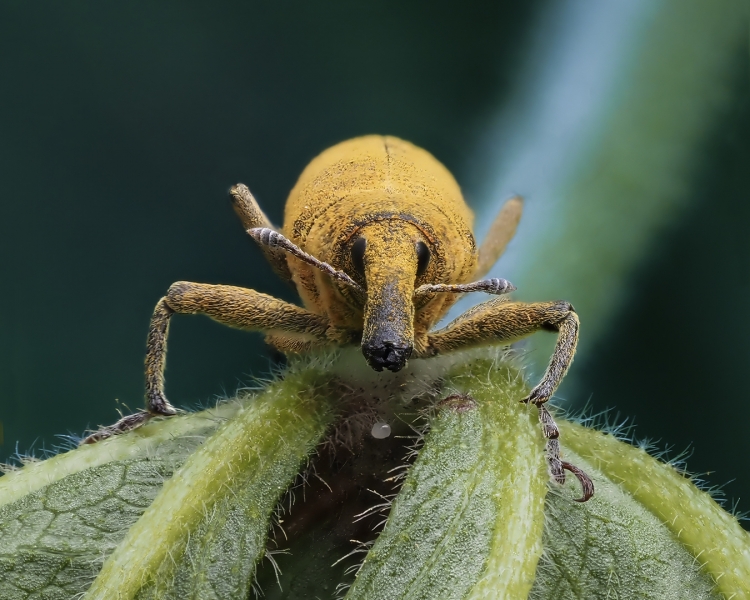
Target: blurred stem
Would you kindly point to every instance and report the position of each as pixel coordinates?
(603, 183)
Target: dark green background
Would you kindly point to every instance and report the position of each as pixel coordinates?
(124, 124)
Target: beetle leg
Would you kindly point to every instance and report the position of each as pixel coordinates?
(552, 448)
(500, 322)
(501, 231)
(554, 464)
(233, 306)
(549, 427)
(252, 216)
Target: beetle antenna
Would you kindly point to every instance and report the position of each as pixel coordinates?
(273, 239)
(494, 286)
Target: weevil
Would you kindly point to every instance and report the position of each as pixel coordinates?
(378, 241)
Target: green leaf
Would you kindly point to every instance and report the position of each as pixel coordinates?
(715, 540)
(623, 550)
(205, 531)
(59, 519)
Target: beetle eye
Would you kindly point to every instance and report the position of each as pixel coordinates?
(423, 258)
(358, 255)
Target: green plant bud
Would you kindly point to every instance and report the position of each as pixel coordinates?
(182, 507)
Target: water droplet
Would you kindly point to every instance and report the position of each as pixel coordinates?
(381, 430)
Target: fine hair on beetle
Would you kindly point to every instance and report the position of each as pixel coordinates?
(378, 242)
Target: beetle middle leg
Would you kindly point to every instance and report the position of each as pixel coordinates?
(233, 306)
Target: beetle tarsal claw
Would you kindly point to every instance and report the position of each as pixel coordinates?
(586, 484)
(494, 286)
(273, 239)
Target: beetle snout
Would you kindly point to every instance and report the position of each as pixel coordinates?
(386, 355)
(390, 269)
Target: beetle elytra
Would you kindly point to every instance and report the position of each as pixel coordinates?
(378, 242)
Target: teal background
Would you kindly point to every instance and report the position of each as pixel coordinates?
(124, 124)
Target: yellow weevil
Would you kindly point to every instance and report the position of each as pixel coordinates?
(378, 241)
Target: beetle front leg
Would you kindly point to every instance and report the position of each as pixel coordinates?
(156, 354)
(565, 348)
(233, 306)
(500, 322)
